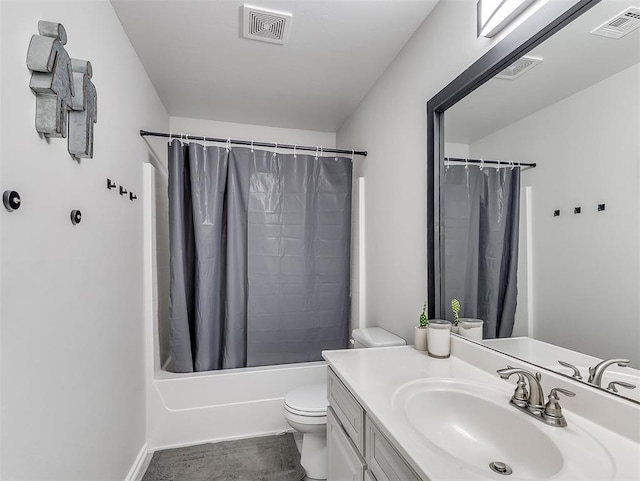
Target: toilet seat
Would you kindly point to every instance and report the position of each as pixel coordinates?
(307, 401)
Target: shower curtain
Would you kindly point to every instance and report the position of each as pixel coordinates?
(259, 256)
(481, 222)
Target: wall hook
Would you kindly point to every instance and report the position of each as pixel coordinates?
(601, 207)
(556, 213)
(110, 184)
(132, 196)
(123, 190)
(76, 216)
(577, 210)
(11, 200)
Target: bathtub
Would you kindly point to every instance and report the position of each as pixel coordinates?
(186, 409)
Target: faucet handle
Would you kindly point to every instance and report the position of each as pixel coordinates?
(576, 372)
(552, 410)
(613, 384)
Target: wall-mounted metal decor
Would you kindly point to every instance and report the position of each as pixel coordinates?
(66, 99)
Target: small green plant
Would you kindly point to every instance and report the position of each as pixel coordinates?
(455, 307)
(423, 317)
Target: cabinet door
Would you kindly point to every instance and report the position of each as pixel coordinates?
(368, 476)
(345, 464)
(382, 458)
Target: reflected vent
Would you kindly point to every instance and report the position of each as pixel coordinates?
(620, 25)
(265, 25)
(518, 68)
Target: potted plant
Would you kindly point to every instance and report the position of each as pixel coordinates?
(455, 307)
(420, 332)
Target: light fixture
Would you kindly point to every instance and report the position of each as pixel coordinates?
(494, 15)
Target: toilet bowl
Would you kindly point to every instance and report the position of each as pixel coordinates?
(305, 408)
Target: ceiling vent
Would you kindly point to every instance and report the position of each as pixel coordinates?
(265, 25)
(620, 25)
(518, 68)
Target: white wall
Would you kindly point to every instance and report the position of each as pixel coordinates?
(256, 133)
(390, 124)
(585, 267)
(71, 320)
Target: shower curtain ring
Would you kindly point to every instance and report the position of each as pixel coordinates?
(295, 155)
(321, 151)
(513, 165)
(252, 146)
(275, 150)
(170, 137)
(466, 164)
(316, 152)
(498, 168)
(481, 164)
(353, 152)
(228, 144)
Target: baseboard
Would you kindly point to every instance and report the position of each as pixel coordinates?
(138, 464)
(219, 440)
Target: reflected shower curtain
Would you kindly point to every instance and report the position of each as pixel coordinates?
(259, 246)
(481, 222)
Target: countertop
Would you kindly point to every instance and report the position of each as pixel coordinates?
(375, 375)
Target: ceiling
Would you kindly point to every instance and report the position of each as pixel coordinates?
(201, 66)
(573, 60)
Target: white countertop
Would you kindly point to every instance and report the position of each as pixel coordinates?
(375, 375)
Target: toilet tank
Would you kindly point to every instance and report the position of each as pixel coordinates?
(375, 337)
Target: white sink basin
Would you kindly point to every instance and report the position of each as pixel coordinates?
(475, 425)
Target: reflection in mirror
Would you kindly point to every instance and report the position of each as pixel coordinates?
(550, 256)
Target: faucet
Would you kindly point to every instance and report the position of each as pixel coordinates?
(536, 396)
(596, 372)
(532, 401)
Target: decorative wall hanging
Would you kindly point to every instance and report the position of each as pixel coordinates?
(63, 88)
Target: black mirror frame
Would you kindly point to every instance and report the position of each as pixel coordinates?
(551, 18)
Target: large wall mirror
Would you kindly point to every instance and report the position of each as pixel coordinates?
(535, 169)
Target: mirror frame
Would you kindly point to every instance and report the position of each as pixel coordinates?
(548, 20)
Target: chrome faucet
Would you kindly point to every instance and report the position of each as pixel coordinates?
(536, 396)
(596, 372)
(532, 401)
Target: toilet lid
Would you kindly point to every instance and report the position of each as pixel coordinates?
(310, 399)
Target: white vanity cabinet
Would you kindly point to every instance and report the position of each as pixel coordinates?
(358, 450)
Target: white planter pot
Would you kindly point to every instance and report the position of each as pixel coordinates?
(420, 338)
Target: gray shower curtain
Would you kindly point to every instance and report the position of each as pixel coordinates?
(481, 224)
(259, 246)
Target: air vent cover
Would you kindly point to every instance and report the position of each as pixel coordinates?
(518, 68)
(620, 25)
(265, 25)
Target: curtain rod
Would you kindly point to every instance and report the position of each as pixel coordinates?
(145, 133)
(506, 163)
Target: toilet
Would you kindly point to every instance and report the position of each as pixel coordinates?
(305, 408)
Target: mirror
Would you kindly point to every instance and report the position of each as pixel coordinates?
(547, 255)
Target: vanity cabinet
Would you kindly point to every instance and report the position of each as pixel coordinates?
(357, 449)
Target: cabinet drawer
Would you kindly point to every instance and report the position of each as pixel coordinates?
(382, 458)
(345, 463)
(347, 409)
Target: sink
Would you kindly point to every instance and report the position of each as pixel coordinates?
(474, 425)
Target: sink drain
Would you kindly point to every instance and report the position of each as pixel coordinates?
(500, 468)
